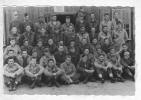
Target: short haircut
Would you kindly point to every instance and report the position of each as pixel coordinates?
(106, 14)
(67, 17)
(24, 50)
(51, 60)
(68, 56)
(11, 57)
(12, 38)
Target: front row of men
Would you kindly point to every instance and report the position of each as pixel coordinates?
(88, 69)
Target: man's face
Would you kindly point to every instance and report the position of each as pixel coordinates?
(116, 15)
(11, 53)
(126, 55)
(119, 26)
(26, 43)
(50, 41)
(67, 20)
(99, 50)
(84, 41)
(33, 62)
(15, 15)
(10, 62)
(105, 29)
(70, 29)
(14, 30)
(61, 48)
(26, 17)
(82, 29)
(125, 47)
(72, 43)
(28, 28)
(24, 54)
(94, 41)
(68, 60)
(86, 51)
(54, 18)
(40, 44)
(51, 63)
(34, 54)
(101, 58)
(106, 17)
(12, 42)
(112, 51)
(92, 16)
(47, 54)
(43, 31)
(93, 30)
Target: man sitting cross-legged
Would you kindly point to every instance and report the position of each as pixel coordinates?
(33, 73)
(103, 67)
(69, 71)
(13, 73)
(52, 73)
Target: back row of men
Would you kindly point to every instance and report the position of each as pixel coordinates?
(65, 54)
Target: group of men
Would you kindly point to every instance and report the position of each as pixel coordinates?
(61, 54)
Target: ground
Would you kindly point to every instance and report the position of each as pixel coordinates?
(91, 88)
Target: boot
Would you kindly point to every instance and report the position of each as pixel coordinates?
(10, 87)
(50, 84)
(86, 80)
(102, 80)
(112, 80)
(56, 84)
(32, 86)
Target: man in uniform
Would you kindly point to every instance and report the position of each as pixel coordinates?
(69, 71)
(86, 66)
(128, 65)
(29, 35)
(103, 67)
(24, 58)
(33, 73)
(114, 59)
(13, 73)
(52, 73)
(60, 55)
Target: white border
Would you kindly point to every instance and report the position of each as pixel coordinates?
(131, 3)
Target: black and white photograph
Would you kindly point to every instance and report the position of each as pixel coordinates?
(69, 50)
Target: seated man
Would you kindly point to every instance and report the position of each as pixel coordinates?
(86, 66)
(10, 53)
(27, 47)
(13, 46)
(52, 73)
(102, 68)
(13, 73)
(114, 59)
(128, 65)
(24, 58)
(33, 72)
(69, 71)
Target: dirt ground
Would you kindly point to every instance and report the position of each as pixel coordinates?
(91, 88)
